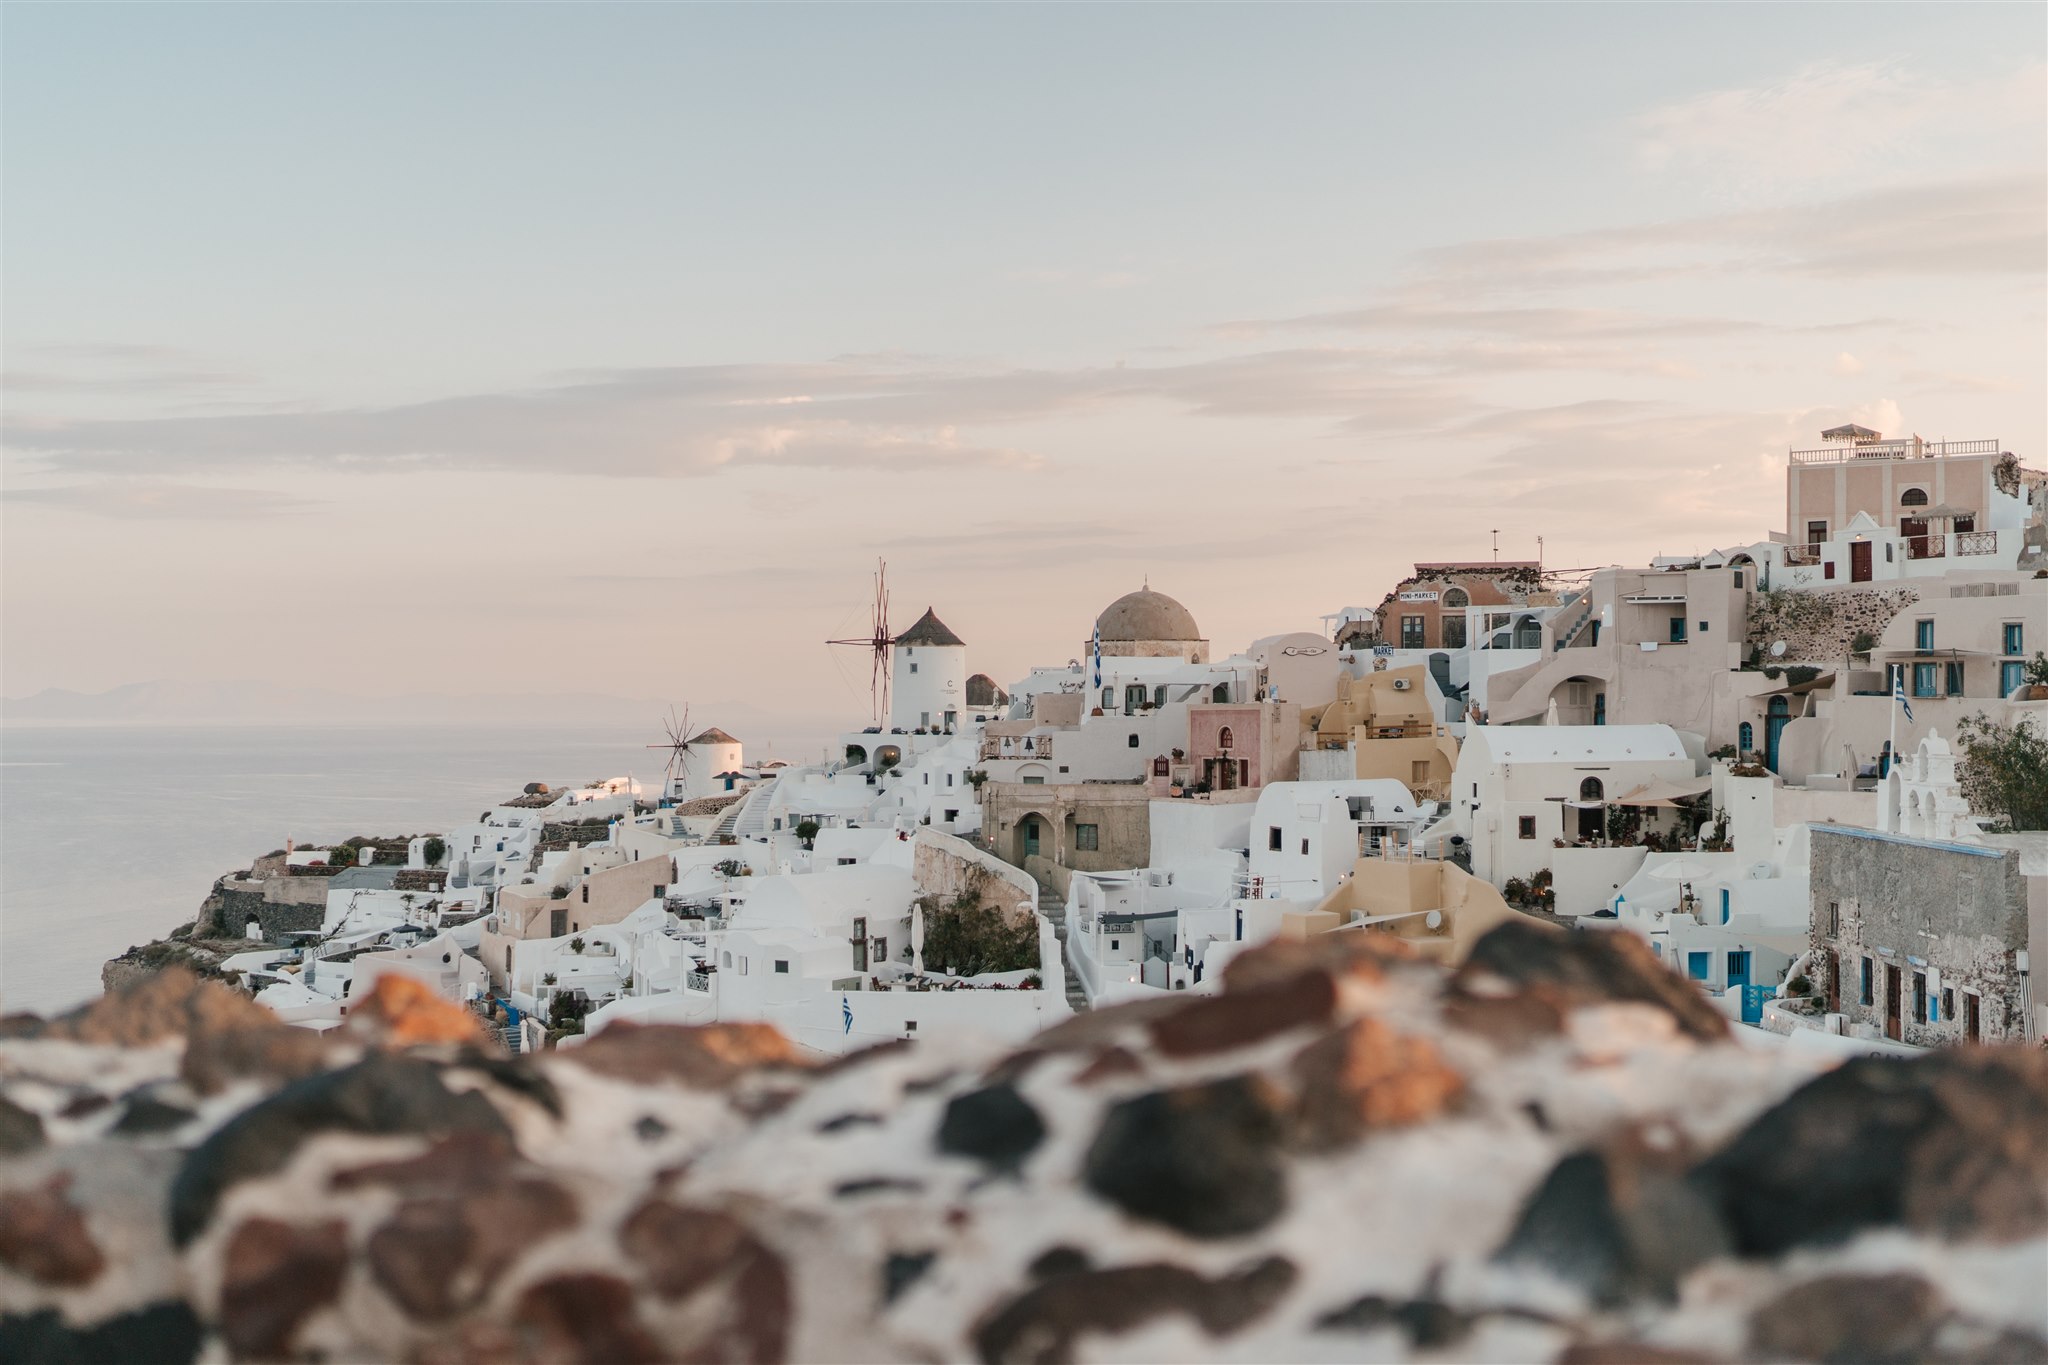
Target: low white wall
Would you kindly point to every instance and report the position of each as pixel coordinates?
(1587, 878)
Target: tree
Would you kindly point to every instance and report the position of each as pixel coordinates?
(2005, 769)
(807, 831)
(434, 851)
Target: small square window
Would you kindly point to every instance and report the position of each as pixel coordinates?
(1134, 741)
(1086, 837)
(782, 965)
(951, 816)
(1304, 848)
(1525, 827)
(913, 668)
(1702, 627)
(1273, 838)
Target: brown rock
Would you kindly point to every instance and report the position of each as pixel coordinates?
(1511, 1023)
(1366, 1076)
(405, 1012)
(472, 1207)
(581, 1320)
(1629, 1353)
(43, 1235)
(1850, 1319)
(275, 1275)
(227, 1034)
(704, 1057)
(1109, 1064)
(1365, 956)
(1044, 1324)
(1245, 1015)
(1570, 970)
(685, 1250)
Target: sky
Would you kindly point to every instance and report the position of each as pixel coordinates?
(605, 348)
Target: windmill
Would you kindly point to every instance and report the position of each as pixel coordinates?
(879, 643)
(678, 746)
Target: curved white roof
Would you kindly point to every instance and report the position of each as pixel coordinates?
(827, 898)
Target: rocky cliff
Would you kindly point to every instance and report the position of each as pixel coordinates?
(1553, 1154)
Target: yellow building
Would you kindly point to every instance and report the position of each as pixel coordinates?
(1386, 721)
(1436, 908)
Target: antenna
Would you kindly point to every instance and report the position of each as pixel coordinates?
(678, 746)
(1496, 544)
(878, 642)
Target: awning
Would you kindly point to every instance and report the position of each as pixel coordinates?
(1660, 791)
(1800, 689)
(1941, 511)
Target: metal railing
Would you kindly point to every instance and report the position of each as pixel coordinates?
(1926, 547)
(1912, 449)
(698, 981)
(1019, 746)
(1976, 542)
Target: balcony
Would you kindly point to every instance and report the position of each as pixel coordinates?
(1926, 547)
(698, 981)
(1796, 555)
(1026, 746)
(1977, 542)
(1911, 449)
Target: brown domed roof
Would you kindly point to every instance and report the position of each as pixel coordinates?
(713, 735)
(1147, 615)
(982, 690)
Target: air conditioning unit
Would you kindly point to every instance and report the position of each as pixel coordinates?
(1403, 684)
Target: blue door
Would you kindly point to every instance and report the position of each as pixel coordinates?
(1738, 969)
(1697, 965)
(1753, 997)
(1774, 725)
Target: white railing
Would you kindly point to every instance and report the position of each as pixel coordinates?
(1912, 449)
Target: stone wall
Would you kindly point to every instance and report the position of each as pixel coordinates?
(944, 867)
(281, 905)
(1956, 910)
(1581, 1165)
(1819, 627)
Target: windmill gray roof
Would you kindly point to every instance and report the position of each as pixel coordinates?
(930, 630)
(982, 690)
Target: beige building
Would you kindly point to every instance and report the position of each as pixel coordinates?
(1384, 719)
(1914, 487)
(602, 890)
(1434, 907)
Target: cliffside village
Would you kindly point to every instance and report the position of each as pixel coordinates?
(1778, 763)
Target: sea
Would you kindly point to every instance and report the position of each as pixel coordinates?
(110, 837)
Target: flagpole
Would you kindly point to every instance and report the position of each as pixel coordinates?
(1898, 700)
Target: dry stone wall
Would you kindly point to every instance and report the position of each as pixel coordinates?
(1820, 627)
(1554, 1153)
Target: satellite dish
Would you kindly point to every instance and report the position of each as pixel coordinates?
(1777, 649)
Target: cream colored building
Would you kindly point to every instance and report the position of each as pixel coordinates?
(1385, 720)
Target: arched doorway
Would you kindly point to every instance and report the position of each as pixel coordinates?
(1745, 740)
(1593, 816)
(1776, 715)
(1034, 838)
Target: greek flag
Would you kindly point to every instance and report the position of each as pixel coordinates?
(846, 1013)
(1899, 694)
(1098, 654)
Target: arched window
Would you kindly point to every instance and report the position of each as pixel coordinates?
(1160, 766)
(1913, 497)
(1457, 597)
(1591, 790)
(1224, 739)
(1745, 738)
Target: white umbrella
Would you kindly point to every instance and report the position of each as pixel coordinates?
(1681, 870)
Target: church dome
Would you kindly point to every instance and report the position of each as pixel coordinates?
(1147, 615)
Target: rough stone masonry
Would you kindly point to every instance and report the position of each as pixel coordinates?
(1554, 1153)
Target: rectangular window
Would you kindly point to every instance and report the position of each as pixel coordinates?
(1952, 680)
(1816, 532)
(881, 948)
(2011, 674)
(848, 862)
(1086, 838)
(1923, 680)
(1304, 848)
(949, 779)
(1273, 838)
(1033, 781)
(913, 668)
(1919, 997)
(2015, 637)
(1697, 965)
(1678, 630)
(951, 816)
(1738, 578)
(1948, 1003)
(1702, 627)
(1834, 919)
(1869, 995)
(1827, 570)
(782, 965)
(1411, 632)
(1923, 635)
(1738, 968)
(1525, 827)
(1453, 628)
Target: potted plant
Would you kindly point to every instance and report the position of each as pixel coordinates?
(807, 830)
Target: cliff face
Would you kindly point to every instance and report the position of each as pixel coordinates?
(1554, 1153)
